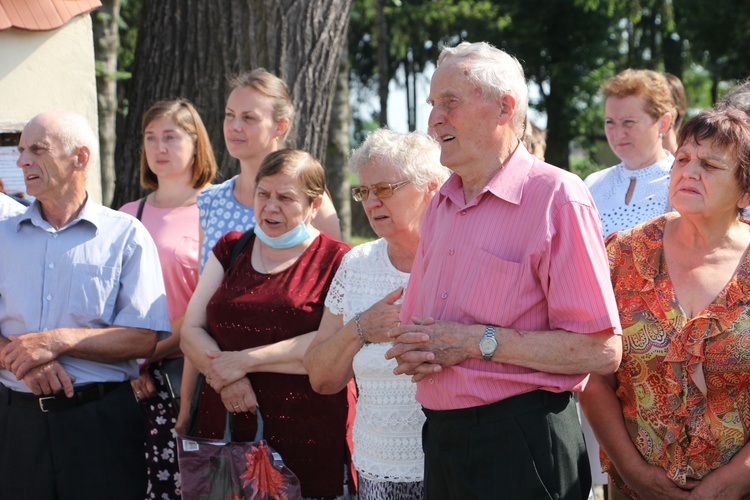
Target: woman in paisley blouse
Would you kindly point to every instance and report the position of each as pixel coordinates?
(398, 175)
(674, 421)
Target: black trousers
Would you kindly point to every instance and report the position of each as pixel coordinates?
(93, 451)
(526, 447)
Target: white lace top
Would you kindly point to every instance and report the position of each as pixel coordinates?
(388, 425)
(650, 197)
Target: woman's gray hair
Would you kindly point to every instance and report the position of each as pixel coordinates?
(416, 155)
(494, 72)
(739, 97)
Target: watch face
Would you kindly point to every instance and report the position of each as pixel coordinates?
(487, 345)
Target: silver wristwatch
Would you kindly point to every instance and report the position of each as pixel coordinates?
(488, 344)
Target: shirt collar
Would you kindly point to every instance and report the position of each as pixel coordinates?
(33, 215)
(507, 184)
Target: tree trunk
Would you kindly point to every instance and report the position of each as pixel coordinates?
(559, 135)
(384, 77)
(105, 21)
(337, 173)
(188, 48)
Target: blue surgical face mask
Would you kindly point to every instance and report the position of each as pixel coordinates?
(291, 238)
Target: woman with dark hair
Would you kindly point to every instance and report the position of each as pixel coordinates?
(177, 162)
(249, 324)
(674, 421)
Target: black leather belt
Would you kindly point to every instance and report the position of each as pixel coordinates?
(58, 402)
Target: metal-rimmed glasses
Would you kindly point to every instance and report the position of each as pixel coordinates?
(381, 190)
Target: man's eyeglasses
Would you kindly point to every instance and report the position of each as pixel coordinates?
(380, 190)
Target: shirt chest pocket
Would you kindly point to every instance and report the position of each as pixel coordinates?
(93, 292)
(493, 287)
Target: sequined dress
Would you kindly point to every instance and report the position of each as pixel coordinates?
(251, 309)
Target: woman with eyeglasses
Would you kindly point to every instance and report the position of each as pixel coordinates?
(398, 174)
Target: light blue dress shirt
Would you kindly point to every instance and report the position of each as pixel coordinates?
(9, 206)
(100, 270)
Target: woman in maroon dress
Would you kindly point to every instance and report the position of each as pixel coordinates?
(247, 327)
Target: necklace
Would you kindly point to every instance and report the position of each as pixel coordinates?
(262, 260)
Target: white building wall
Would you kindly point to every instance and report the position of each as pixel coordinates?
(48, 70)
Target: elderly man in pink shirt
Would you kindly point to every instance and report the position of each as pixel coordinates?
(509, 306)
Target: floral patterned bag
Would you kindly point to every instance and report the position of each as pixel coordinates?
(225, 470)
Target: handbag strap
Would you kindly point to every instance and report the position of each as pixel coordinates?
(239, 246)
(140, 208)
(228, 426)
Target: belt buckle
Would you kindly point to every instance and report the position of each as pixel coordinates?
(41, 403)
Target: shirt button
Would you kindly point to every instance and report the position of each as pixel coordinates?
(463, 212)
(431, 380)
(54, 235)
(49, 297)
(451, 251)
(51, 265)
(444, 295)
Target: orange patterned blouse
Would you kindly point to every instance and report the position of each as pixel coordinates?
(676, 420)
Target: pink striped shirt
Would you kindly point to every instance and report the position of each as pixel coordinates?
(527, 253)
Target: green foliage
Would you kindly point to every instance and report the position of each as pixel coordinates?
(416, 29)
(697, 83)
(130, 15)
(582, 165)
(117, 75)
(362, 126)
(719, 35)
(358, 240)
(588, 122)
(559, 46)
(130, 18)
(568, 49)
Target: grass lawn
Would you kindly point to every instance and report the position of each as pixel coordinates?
(358, 240)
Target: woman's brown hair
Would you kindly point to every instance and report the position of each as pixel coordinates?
(298, 164)
(185, 116)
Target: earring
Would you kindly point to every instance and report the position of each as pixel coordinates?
(661, 135)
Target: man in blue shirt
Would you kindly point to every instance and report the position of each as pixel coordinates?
(81, 298)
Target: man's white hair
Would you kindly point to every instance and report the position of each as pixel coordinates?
(494, 72)
(74, 131)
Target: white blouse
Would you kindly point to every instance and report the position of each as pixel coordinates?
(650, 198)
(388, 424)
